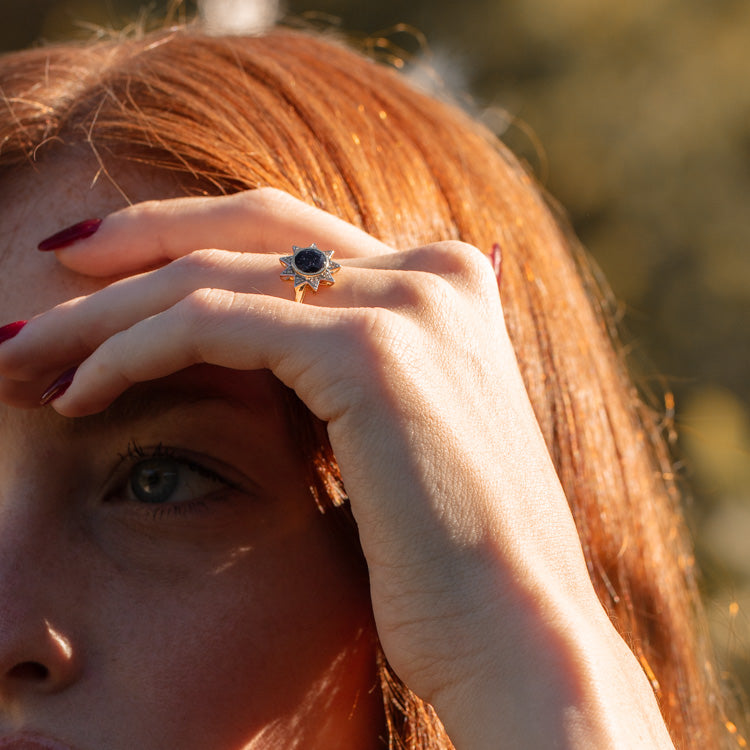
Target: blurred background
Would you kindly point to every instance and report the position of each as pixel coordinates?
(636, 116)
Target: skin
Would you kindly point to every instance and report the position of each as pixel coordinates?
(237, 622)
(478, 586)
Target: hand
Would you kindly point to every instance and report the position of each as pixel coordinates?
(479, 589)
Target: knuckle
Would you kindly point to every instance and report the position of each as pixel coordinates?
(89, 328)
(269, 199)
(199, 261)
(197, 317)
(469, 269)
(146, 210)
(460, 259)
(113, 354)
(149, 215)
(375, 334)
(199, 306)
(368, 324)
(200, 268)
(425, 290)
(278, 204)
(451, 265)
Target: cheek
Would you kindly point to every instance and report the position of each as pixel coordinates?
(279, 637)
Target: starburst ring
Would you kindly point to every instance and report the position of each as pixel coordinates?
(308, 267)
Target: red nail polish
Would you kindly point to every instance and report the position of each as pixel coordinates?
(10, 330)
(69, 235)
(58, 387)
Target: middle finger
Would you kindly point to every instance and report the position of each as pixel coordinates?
(69, 332)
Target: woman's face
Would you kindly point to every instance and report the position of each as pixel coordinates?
(165, 578)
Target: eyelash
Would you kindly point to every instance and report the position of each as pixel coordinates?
(135, 454)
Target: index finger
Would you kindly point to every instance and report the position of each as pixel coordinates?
(150, 234)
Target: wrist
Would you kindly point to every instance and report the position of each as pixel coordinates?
(560, 677)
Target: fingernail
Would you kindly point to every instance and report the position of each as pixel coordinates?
(69, 235)
(58, 387)
(10, 330)
(496, 259)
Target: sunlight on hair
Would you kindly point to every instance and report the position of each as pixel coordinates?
(439, 73)
(238, 16)
(732, 729)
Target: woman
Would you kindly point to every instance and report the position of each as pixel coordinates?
(167, 579)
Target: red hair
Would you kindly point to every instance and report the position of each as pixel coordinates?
(306, 115)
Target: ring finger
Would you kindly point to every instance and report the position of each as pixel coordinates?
(68, 333)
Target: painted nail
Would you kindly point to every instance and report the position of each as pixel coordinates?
(69, 235)
(10, 330)
(58, 387)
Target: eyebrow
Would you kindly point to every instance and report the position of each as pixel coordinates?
(142, 403)
(150, 401)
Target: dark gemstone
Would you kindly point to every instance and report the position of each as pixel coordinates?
(310, 260)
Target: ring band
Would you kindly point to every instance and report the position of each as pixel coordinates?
(308, 267)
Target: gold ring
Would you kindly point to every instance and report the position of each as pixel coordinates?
(308, 267)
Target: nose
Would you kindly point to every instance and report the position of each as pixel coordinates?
(37, 651)
(35, 657)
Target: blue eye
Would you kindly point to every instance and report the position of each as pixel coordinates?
(155, 480)
(166, 479)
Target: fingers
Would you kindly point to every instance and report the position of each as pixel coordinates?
(299, 344)
(416, 282)
(99, 332)
(150, 234)
(68, 333)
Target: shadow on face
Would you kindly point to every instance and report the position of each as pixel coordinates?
(165, 577)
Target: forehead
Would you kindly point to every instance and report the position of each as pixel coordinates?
(39, 200)
(43, 199)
